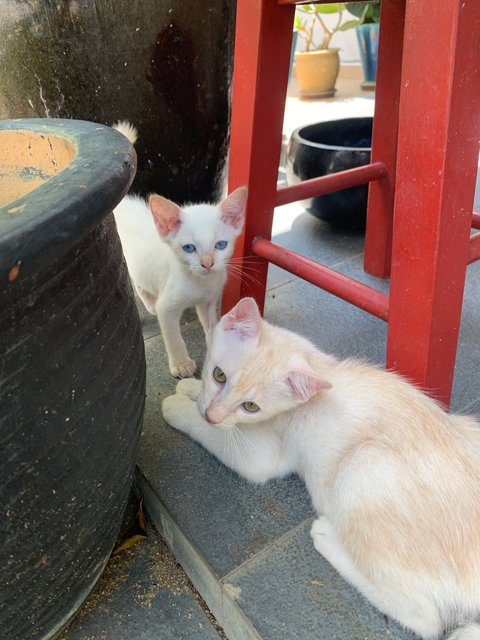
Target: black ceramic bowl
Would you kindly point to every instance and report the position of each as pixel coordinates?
(328, 147)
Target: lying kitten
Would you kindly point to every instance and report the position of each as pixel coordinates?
(395, 479)
(177, 258)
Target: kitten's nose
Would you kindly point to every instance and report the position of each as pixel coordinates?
(209, 419)
(207, 262)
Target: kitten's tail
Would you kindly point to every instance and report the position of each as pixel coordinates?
(469, 632)
(127, 129)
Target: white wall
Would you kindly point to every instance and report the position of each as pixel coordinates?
(345, 40)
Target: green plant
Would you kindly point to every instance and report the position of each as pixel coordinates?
(366, 12)
(308, 15)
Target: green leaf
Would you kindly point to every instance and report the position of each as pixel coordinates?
(327, 8)
(306, 8)
(348, 25)
(367, 12)
(356, 8)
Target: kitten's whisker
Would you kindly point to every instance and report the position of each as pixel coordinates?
(239, 273)
(245, 259)
(244, 438)
(244, 266)
(239, 449)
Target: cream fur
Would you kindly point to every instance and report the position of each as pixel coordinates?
(395, 480)
(127, 129)
(166, 278)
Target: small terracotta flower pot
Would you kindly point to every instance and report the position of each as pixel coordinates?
(317, 72)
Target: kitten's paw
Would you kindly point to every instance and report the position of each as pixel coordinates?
(184, 369)
(173, 409)
(322, 533)
(190, 387)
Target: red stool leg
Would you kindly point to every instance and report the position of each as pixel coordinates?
(378, 236)
(439, 132)
(262, 55)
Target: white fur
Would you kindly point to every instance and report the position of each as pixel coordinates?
(395, 480)
(166, 278)
(127, 129)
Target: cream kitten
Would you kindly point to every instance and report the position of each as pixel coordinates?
(177, 258)
(395, 480)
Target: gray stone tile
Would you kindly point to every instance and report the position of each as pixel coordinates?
(291, 592)
(225, 516)
(142, 594)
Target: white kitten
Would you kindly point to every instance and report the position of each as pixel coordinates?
(395, 478)
(177, 258)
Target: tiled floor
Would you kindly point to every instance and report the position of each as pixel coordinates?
(247, 548)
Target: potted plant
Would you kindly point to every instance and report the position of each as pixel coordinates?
(368, 14)
(317, 67)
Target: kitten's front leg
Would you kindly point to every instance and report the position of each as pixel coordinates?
(253, 455)
(147, 298)
(327, 544)
(207, 314)
(179, 362)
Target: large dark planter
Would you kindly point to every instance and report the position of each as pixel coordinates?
(328, 147)
(72, 368)
(166, 66)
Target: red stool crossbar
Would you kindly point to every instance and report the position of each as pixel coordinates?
(422, 174)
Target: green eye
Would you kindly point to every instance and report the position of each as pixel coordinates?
(219, 376)
(251, 407)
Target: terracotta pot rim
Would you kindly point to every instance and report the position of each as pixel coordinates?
(48, 220)
(324, 52)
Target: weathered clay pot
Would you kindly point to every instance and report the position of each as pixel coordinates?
(72, 367)
(166, 66)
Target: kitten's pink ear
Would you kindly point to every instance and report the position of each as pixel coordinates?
(166, 214)
(304, 385)
(244, 319)
(233, 208)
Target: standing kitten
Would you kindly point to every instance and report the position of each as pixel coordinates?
(395, 478)
(177, 258)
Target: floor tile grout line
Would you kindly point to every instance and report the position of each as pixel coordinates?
(177, 539)
(266, 549)
(253, 558)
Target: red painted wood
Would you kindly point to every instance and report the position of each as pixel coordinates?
(474, 248)
(359, 294)
(262, 58)
(378, 235)
(330, 183)
(435, 163)
(438, 146)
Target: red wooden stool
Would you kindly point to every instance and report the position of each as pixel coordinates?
(422, 174)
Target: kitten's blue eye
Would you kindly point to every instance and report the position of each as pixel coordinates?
(221, 244)
(188, 248)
